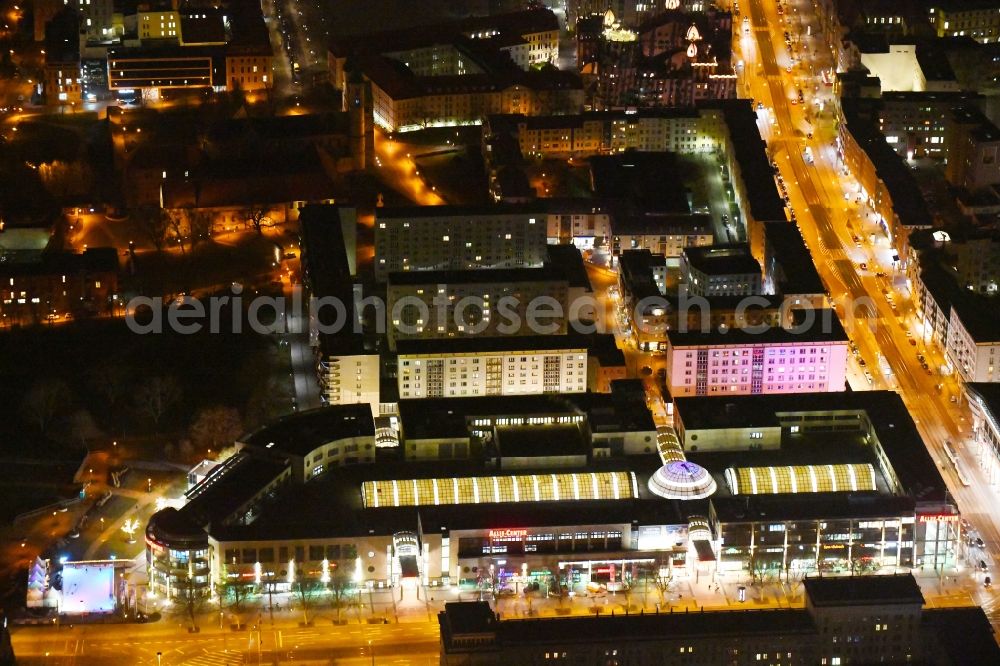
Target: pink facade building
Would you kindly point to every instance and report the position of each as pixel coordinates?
(809, 358)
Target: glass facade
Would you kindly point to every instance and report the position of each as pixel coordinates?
(842, 545)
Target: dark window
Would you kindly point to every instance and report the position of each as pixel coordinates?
(283, 553)
(266, 555)
(315, 553)
(249, 555)
(300, 554)
(349, 552)
(333, 552)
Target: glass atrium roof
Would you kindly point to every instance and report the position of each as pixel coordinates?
(800, 479)
(497, 489)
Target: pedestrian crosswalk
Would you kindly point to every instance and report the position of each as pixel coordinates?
(216, 658)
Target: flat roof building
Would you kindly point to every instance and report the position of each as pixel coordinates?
(809, 354)
(882, 614)
(562, 483)
(720, 270)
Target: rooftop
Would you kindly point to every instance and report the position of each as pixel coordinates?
(889, 166)
(92, 260)
(884, 410)
(787, 255)
(449, 417)
(751, 152)
(863, 590)
(550, 440)
(818, 326)
(721, 259)
(300, 433)
(484, 345)
(626, 628)
(989, 394)
(649, 181)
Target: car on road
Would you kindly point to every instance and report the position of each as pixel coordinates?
(979, 542)
(920, 357)
(863, 266)
(913, 343)
(861, 362)
(868, 376)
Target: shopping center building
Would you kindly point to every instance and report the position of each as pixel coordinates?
(497, 491)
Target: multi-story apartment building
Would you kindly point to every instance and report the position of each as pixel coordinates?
(457, 238)
(95, 17)
(664, 234)
(810, 355)
(973, 339)
(886, 182)
(157, 24)
(984, 402)
(720, 270)
(447, 304)
(62, 58)
(978, 19)
(917, 124)
(57, 284)
(456, 73)
(491, 303)
(492, 366)
(974, 151)
(728, 129)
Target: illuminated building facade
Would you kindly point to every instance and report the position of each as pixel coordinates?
(979, 20)
(855, 511)
(509, 491)
(984, 401)
(58, 284)
(807, 356)
(516, 365)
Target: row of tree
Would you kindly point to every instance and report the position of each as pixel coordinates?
(186, 228)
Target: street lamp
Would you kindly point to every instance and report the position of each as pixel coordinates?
(159, 657)
(371, 651)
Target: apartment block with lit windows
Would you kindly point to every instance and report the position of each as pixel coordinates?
(763, 360)
(978, 19)
(492, 366)
(60, 284)
(457, 238)
(489, 303)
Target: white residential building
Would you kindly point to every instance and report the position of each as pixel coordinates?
(973, 343)
(492, 366)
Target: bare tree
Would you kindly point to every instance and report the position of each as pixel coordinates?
(152, 223)
(82, 427)
(65, 178)
(306, 589)
(199, 225)
(177, 226)
(256, 216)
(109, 381)
(216, 427)
(341, 587)
(155, 397)
(664, 577)
(559, 586)
(44, 400)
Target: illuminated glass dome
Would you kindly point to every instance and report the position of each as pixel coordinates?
(682, 480)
